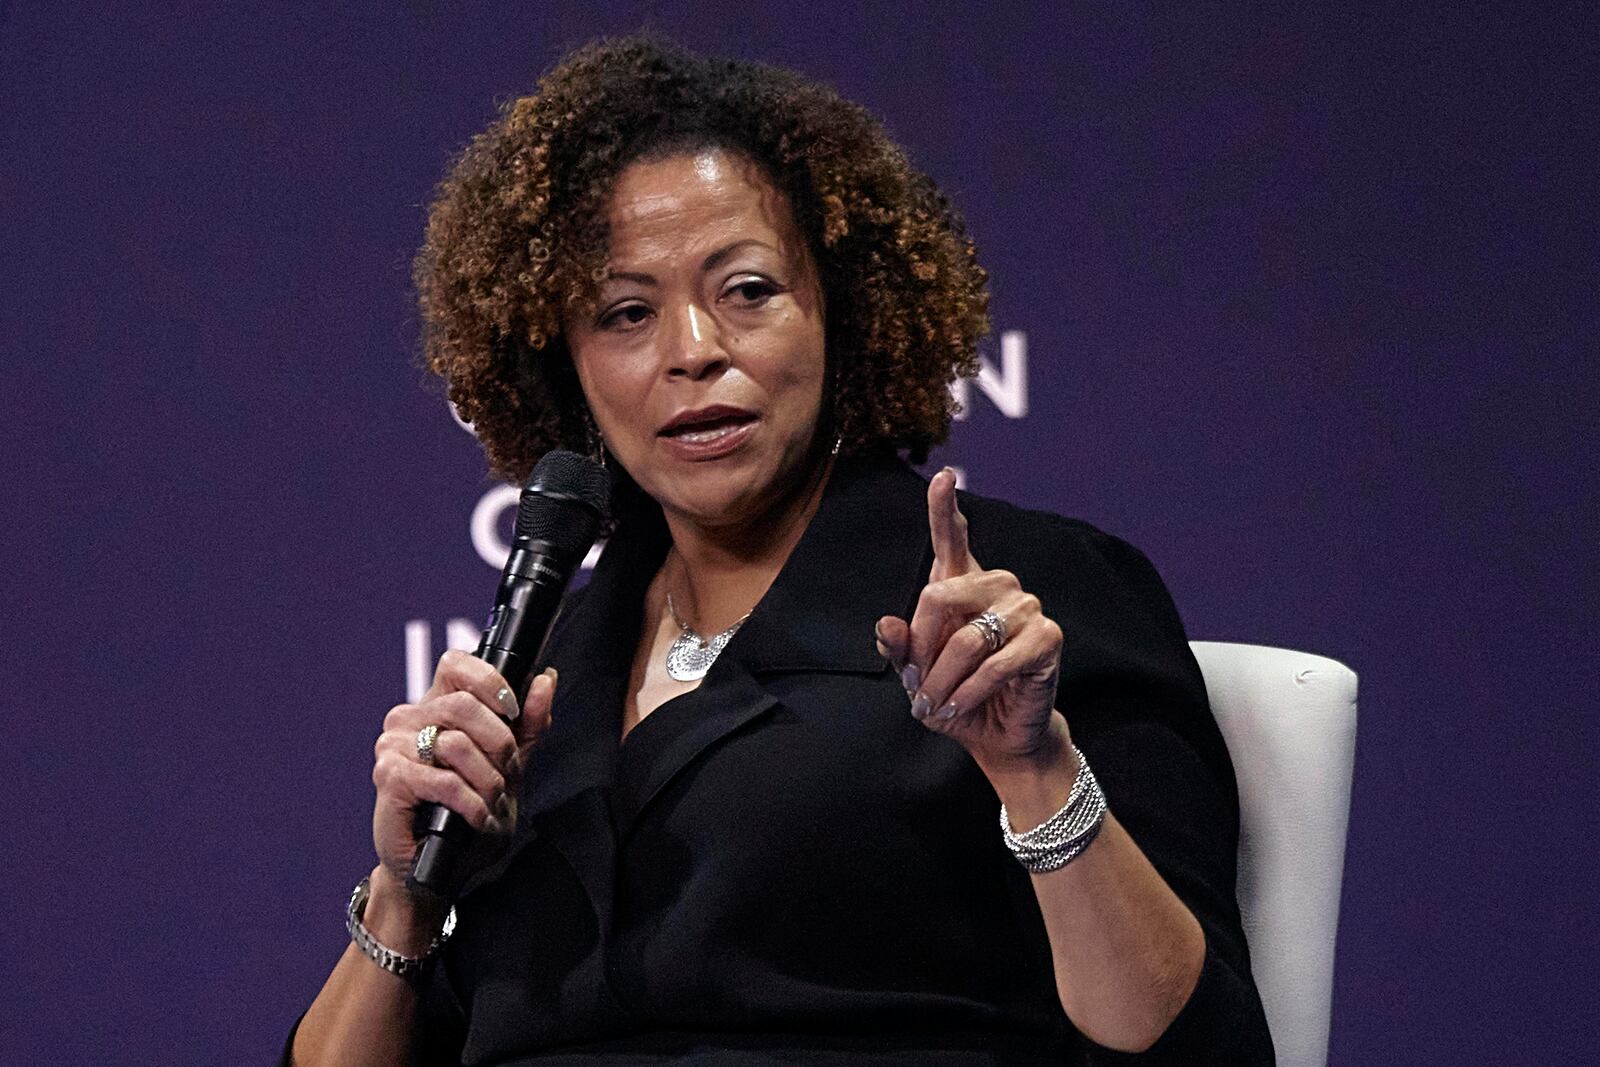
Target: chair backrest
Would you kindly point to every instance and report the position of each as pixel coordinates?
(1289, 719)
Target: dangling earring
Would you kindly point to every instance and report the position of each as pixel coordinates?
(837, 441)
(596, 443)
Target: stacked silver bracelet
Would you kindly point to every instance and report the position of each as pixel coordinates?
(1061, 838)
(411, 968)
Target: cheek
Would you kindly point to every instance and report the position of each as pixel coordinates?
(811, 373)
(612, 383)
(798, 368)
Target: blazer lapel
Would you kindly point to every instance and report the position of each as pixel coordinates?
(654, 755)
(865, 555)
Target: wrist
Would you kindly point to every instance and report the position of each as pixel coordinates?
(406, 922)
(1034, 785)
(1049, 843)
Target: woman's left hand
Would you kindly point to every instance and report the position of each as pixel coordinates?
(999, 705)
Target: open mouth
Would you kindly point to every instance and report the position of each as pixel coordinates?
(706, 431)
(712, 432)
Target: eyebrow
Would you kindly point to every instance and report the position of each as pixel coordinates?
(709, 263)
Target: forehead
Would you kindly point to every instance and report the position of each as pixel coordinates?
(693, 202)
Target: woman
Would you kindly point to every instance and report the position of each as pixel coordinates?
(764, 772)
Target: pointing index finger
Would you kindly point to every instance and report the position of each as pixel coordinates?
(948, 527)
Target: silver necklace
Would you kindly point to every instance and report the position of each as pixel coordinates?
(692, 655)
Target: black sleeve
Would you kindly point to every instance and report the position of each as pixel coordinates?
(1136, 704)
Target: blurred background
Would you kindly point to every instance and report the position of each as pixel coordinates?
(1300, 299)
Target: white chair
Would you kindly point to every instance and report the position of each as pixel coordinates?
(1289, 719)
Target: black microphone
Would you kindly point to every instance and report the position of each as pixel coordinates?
(566, 501)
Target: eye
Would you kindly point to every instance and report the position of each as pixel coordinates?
(753, 292)
(624, 316)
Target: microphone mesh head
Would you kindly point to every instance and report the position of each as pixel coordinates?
(567, 498)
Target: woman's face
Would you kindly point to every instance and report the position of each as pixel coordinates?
(703, 359)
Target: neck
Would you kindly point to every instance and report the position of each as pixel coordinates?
(716, 574)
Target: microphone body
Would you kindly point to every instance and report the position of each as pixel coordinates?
(558, 519)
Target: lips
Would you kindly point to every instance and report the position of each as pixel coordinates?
(706, 424)
(709, 432)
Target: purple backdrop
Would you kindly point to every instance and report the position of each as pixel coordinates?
(1306, 300)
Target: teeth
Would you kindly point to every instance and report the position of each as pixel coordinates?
(710, 434)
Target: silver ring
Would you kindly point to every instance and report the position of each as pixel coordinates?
(427, 738)
(993, 629)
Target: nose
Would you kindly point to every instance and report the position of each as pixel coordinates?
(696, 348)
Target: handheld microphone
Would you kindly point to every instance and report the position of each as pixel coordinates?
(567, 499)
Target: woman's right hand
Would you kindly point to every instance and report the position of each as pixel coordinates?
(478, 760)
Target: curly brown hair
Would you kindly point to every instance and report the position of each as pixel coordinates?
(517, 234)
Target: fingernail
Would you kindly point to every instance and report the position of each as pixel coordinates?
(911, 678)
(508, 703)
(947, 712)
(920, 705)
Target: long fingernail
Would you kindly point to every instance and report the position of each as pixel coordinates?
(947, 712)
(910, 678)
(508, 703)
(920, 705)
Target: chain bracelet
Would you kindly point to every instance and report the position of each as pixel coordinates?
(1061, 838)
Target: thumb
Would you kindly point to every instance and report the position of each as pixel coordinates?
(894, 637)
(535, 717)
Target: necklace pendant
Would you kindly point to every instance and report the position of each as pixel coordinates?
(690, 658)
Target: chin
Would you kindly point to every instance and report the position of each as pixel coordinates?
(719, 493)
(715, 499)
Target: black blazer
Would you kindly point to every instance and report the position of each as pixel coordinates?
(785, 866)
